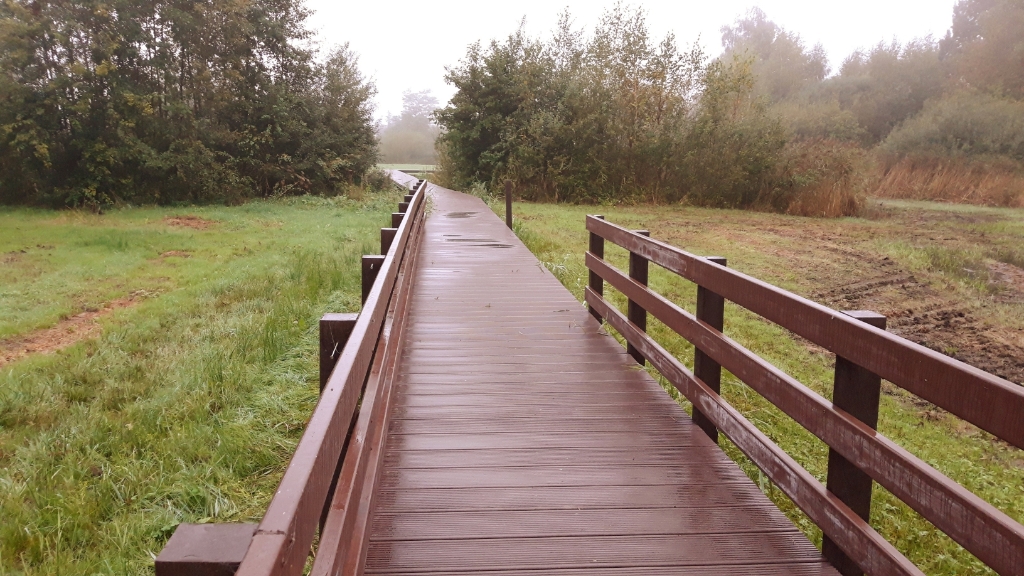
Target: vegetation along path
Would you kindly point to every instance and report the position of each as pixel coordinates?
(186, 381)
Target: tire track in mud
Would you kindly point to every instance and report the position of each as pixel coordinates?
(915, 310)
(920, 314)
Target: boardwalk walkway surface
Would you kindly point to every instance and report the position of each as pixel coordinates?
(525, 440)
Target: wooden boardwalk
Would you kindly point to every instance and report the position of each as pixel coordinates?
(523, 439)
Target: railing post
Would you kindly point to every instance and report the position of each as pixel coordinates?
(856, 391)
(396, 219)
(204, 549)
(334, 332)
(387, 236)
(403, 207)
(408, 198)
(508, 204)
(711, 311)
(371, 266)
(638, 268)
(596, 282)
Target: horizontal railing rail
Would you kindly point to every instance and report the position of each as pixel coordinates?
(858, 454)
(344, 534)
(336, 455)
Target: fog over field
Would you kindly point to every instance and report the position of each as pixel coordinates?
(382, 32)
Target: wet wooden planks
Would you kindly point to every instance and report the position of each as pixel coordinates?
(525, 440)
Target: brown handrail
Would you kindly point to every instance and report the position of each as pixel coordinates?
(983, 399)
(344, 536)
(991, 535)
(283, 539)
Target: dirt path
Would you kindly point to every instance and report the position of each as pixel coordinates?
(70, 331)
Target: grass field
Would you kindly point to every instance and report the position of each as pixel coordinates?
(189, 400)
(947, 276)
(189, 403)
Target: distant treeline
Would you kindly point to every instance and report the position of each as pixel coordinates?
(618, 116)
(170, 100)
(408, 138)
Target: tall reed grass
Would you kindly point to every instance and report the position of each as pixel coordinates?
(987, 182)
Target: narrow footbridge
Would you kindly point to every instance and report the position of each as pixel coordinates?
(475, 419)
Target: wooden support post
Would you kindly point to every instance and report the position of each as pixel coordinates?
(387, 236)
(711, 311)
(403, 207)
(856, 391)
(508, 204)
(371, 266)
(408, 198)
(334, 332)
(638, 268)
(596, 282)
(205, 550)
(396, 219)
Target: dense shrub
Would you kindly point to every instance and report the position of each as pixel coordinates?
(822, 177)
(613, 116)
(817, 119)
(165, 101)
(888, 84)
(964, 123)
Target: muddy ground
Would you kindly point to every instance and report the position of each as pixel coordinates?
(949, 278)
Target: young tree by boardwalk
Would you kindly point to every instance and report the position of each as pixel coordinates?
(165, 100)
(613, 116)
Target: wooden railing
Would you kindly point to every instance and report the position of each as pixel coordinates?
(858, 455)
(327, 487)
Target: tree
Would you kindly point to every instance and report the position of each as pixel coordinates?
(986, 44)
(408, 138)
(888, 84)
(492, 87)
(781, 63)
(615, 115)
(168, 100)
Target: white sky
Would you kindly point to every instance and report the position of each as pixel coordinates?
(405, 45)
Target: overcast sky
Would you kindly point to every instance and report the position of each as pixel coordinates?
(406, 45)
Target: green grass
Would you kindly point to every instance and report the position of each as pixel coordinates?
(190, 404)
(761, 245)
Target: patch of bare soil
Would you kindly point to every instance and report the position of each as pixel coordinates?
(1010, 278)
(176, 254)
(189, 221)
(69, 331)
(920, 314)
(842, 268)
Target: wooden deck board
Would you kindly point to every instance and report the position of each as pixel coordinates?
(523, 439)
